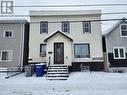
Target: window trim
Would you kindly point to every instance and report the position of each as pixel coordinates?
(121, 31)
(68, 28)
(83, 24)
(46, 27)
(5, 33)
(6, 60)
(119, 53)
(40, 51)
(88, 50)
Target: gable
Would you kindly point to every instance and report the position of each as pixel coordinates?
(114, 38)
(122, 21)
(56, 33)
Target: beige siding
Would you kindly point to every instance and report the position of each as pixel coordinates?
(67, 48)
(76, 33)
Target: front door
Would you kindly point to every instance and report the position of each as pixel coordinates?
(58, 53)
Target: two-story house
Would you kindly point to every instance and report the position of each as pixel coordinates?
(116, 47)
(71, 37)
(14, 34)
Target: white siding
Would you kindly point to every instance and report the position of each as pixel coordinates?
(76, 33)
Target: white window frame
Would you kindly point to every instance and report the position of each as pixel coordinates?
(42, 27)
(6, 51)
(5, 33)
(68, 26)
(88, 51)
(42, 54)
(119, 53)
(89, 26)
(121, 31)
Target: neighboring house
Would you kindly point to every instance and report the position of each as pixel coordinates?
(71, 37)
(116, 46)
(14, 36)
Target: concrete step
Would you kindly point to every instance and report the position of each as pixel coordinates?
(58, 75)
(58, 72)
(56, 78)
(58, 66)
(58, 69)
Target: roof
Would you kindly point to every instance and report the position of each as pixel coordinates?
(118, 23)
(45, 40)
(10, 20)
(64, 12)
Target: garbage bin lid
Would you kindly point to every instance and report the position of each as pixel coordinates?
(41, 64)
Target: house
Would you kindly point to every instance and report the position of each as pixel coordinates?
(70, 37)
(116, 47)
(14, 34)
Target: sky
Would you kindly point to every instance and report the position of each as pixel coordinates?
(105, 9)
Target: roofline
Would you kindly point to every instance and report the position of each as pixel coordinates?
(45, 40)
(13, 21)
(114, 26)
(63, 12)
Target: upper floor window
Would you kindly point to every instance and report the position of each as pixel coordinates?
(6, 55)
(65, 26)
(8, 33)
(82, 51)
(43, 50)
(86, 27)
(119, 53)
(43, 27)
(123, 28)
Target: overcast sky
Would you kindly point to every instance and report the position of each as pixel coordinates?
(107, 9)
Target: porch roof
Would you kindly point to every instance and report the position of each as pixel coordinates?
(45, 40)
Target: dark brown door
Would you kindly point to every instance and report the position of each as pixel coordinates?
(58, 53)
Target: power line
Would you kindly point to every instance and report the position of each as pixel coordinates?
(114, 13)
(96, 20)
(21, 15)
(81, 5)
(77, 21)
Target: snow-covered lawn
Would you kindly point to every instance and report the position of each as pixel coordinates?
(79, 83)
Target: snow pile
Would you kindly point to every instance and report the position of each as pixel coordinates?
(79, 83)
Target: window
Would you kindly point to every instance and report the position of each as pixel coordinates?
(43, 50)
(86, 26)
(82, 51)
(44, 27)
(8, 34)
(123, 28)
(65, 26)
(119, 53)
(6, 55)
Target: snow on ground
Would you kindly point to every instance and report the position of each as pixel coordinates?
(79, 83)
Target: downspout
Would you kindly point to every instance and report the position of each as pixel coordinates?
(107, 53)
(21, 46)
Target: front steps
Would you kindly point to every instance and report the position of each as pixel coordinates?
(58, 72)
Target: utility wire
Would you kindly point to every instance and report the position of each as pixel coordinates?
(81, 5)
(96, 20)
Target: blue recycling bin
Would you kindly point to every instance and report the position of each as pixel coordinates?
(40, 69)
